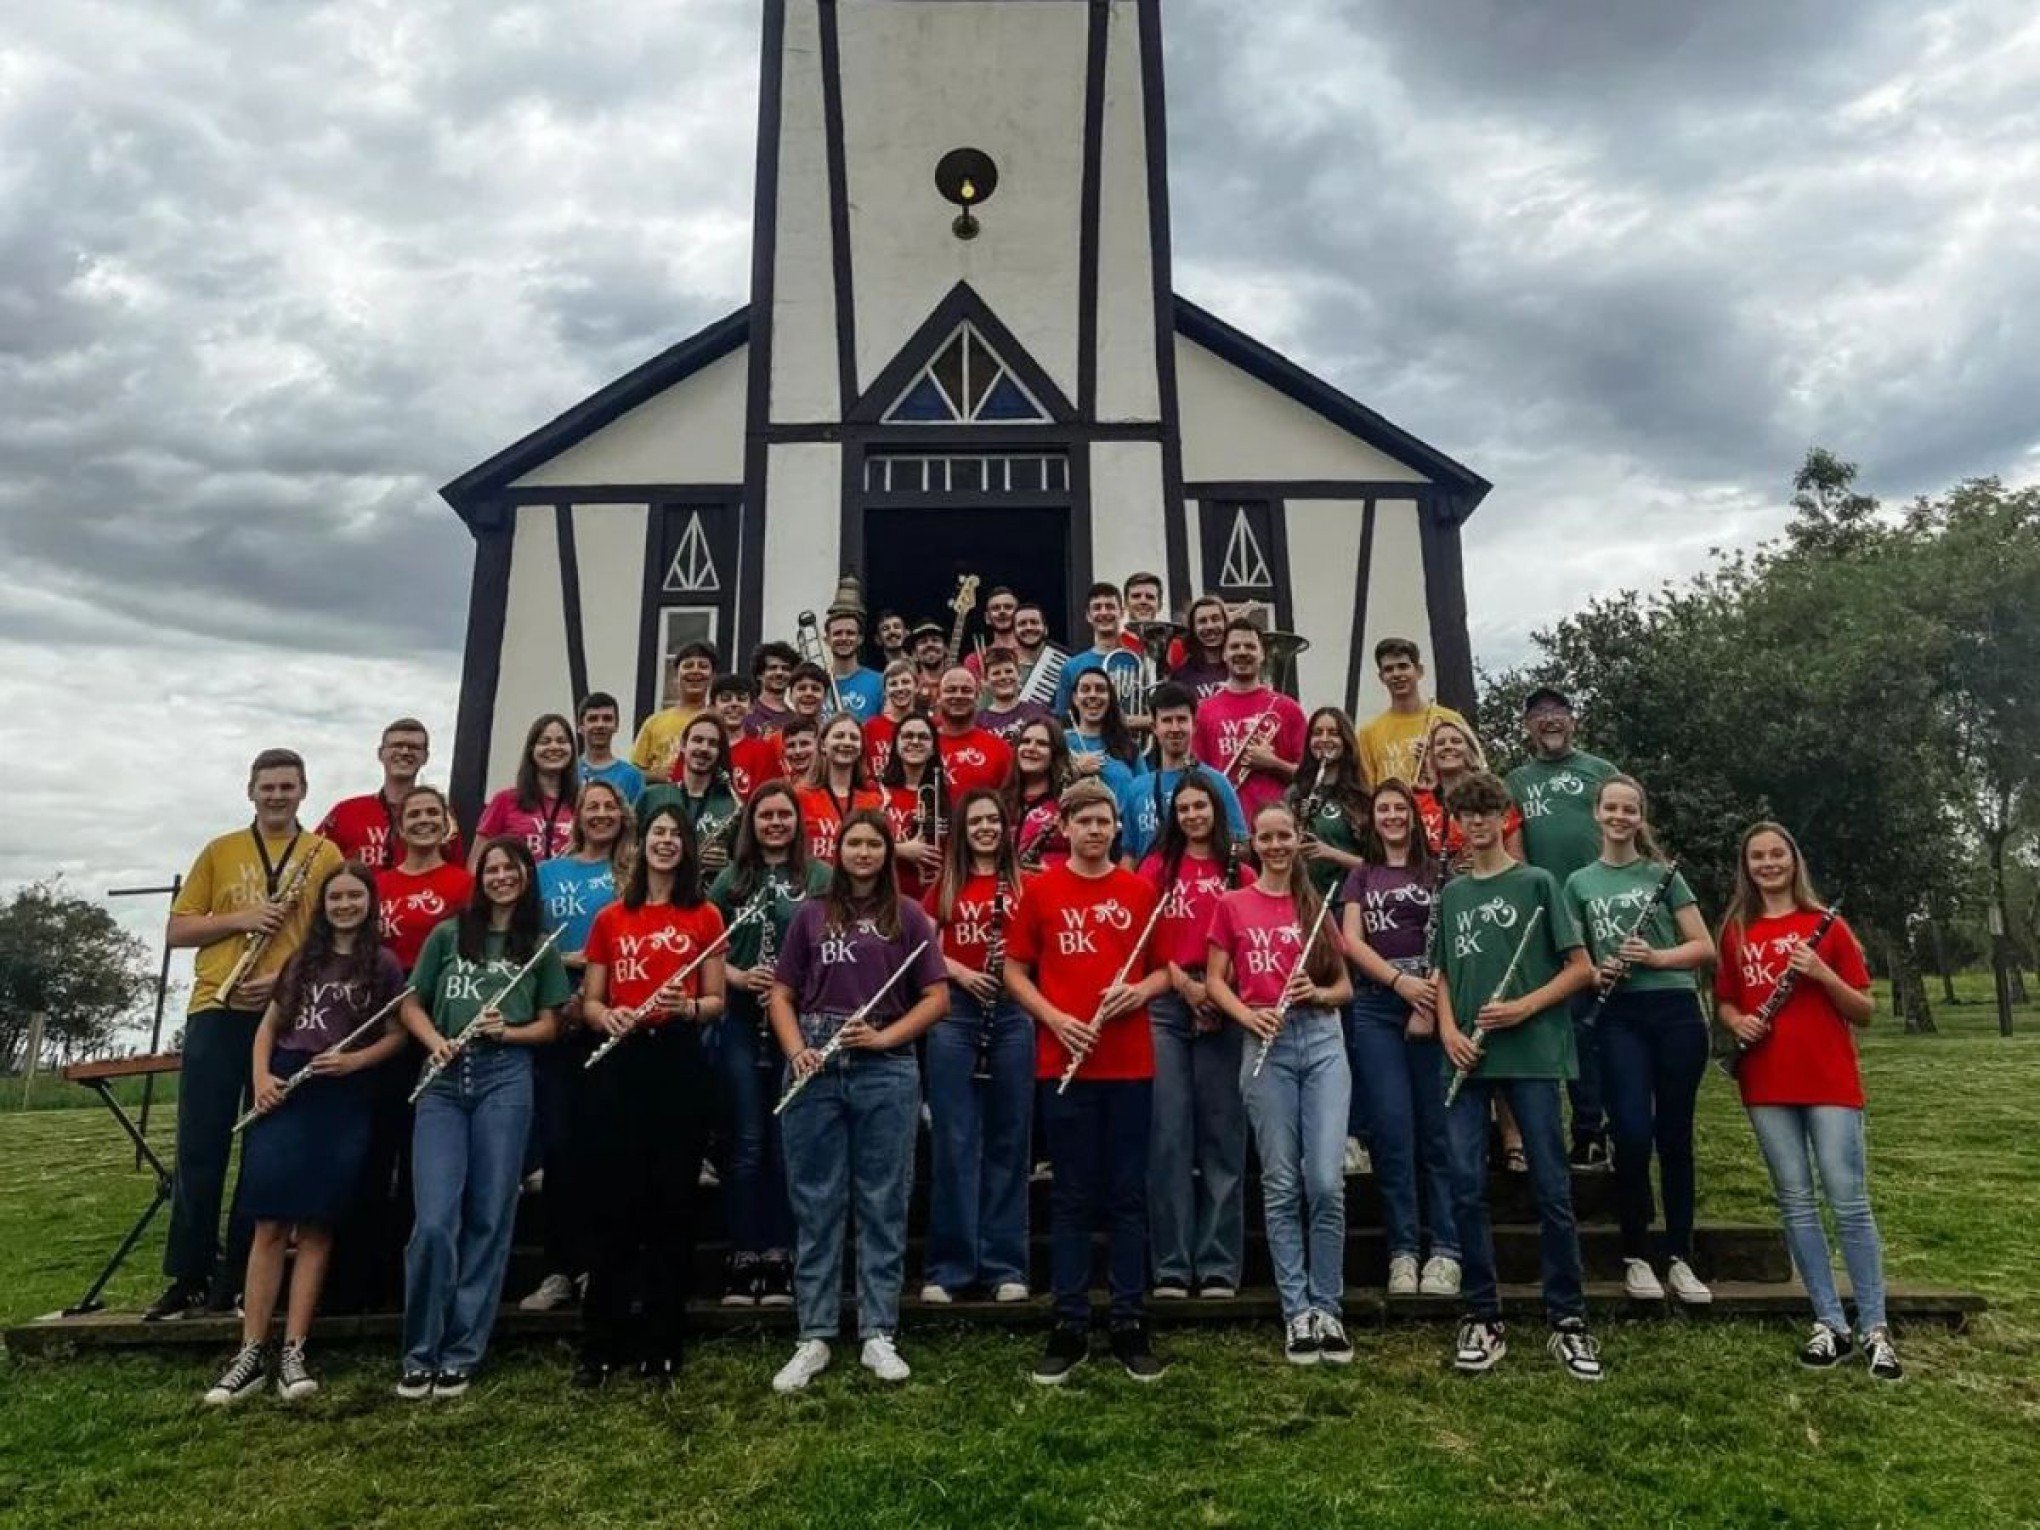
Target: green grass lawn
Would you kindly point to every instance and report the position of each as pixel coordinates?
(1699, 1423)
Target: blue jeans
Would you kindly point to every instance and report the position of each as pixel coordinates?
(1535, 1103)
(1197, 1153)
(1793, 1138)
(1653, 1055)
(978, 1145)
(1589, 1112)
(1403, 1084)
(467, 1156)
(754, 1194)
(1098, 1143)
(849, 1138)
(1298, 1106)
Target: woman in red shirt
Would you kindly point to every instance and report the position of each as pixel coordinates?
(648, 1101)
(980, 1066)
(423, 888)
(1041, 769)
(1450, 752)
(1800, 1083)
(917, 805)
(1197, 1155)
(836, 786)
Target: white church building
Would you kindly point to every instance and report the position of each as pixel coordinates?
(951, 363)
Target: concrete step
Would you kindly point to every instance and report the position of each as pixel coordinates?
(1911, 1306)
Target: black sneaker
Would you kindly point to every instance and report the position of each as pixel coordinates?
(1216, 1288)
(1130, 1347)
(1482, 1343)
(1300, 1340)
(1883, 1356)
(1826, 1349)
(413, 1385)
(1069, 1346)
(180, 1299)
(1590, 1156)
(1332, 1342)
(450, 1384)
(222, 1299)
(743, 1281)
(775, 1281)
(658, 1373)
(1574, 1348)
(243, 1376)
(591, 1374)
(1171, 1290)
(294, 1378)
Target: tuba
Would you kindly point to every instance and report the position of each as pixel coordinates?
(1155, 640)
(1283, 648)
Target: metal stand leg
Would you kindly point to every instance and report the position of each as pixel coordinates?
(90, 1301)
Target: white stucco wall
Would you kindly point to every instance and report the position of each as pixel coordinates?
(1324, 567)
(693, 432)
(1396, 601)
(804, 374)
(609, 551)
(1004, 76)
(533, 678)
(1127, 388)
(1127, 527)
(803, 532)
(1236, 427)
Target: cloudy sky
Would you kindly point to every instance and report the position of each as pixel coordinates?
(269, 274)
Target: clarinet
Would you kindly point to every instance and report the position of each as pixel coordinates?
(766, 1056)
(995, 969)
(1658, 894)
(1768, 1010)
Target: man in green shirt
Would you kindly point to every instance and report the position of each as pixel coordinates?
(1499, 909)
(1554, 788)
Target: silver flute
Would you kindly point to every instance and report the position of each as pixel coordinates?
(835, 1043)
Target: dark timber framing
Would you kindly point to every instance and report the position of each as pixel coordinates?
(1357, 657)
(839, 207)
(758, 404)
(481, 668)
(1155, 121)
(570, 605)
(1097, 39)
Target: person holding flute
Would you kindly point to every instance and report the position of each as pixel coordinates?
(653, 971)
(489, 975)
(1276, 969)
(1080, 960)
(1505, 925)
(847, 1128)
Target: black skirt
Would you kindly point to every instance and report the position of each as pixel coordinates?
(302, 1162)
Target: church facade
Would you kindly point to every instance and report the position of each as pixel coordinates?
(963, 354)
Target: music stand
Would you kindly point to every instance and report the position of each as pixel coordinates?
(99, 1077)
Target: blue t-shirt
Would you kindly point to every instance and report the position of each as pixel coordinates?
(572, 892)
(619, 773)
(863, 692)
(1122, 666)
(1115, 774)
(1144, 799)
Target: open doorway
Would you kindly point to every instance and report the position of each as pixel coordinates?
(914, 557)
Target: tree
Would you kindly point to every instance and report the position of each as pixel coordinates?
(67, 959)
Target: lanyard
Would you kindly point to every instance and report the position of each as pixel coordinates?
(272, 872)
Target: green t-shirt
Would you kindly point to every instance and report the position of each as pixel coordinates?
(1480, 921)
(715, 810)
(454, 989)
(1332, 827)
(745, 940)
(1606, 900)
(1557, 799)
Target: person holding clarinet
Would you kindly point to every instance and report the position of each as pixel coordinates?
(1080, 961)
(1792, 988)
(1646, 938)
(859, 978)
(1276, 968)
(1507, 957)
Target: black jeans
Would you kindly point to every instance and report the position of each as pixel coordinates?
(1653, 1056)
(559, 1079)
(1098, 1143)
(212, 1091)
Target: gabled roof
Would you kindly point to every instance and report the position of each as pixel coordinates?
(644, 383)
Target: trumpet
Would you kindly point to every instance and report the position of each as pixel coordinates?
(1479, 1036)
(290, 1084)
(257, 942)
(1125, 968)
(436, 1066)
(835, 1043)
(1282, 1004)
(1259, 736)
(634, 1016)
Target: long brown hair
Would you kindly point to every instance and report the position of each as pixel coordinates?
(1646, 839)
(1324, 960)
(1342, 783)
(529, 796)
(818, 773)
(747, 871)
(1746, 902)
(314, 959)
(958, 858)
(686, 876)
(883, 907)
(1418, 856)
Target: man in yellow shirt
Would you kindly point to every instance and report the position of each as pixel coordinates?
(658, 741)
(1392, 743)
(260, 883)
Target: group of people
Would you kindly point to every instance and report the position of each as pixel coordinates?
(1110, 936)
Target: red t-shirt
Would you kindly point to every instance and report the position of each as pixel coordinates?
(645, 948)
(1261, 939)
(1075, 933)
(1224, 722)
(365, 829)
(973, 759)
(1186, 908)
(753, 762)
(967, 933)
(824, 821)
(878, 737)
(411, 904)
(1810, 1056)
(903, 810)
(1039, 839)
(1442, 830)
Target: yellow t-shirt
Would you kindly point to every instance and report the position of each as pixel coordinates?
(228, 876)
(1388, 744)
(658, 741)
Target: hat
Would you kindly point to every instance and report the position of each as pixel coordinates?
(1545, 693)
(928, 629)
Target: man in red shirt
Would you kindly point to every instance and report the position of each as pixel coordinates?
(972, 756)
(1079, 960)
(1249, 732)
(367, 828)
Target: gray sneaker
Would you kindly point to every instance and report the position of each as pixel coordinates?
(294, 1379)
(243, 1376)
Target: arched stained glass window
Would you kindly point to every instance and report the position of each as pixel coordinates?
(966, 384)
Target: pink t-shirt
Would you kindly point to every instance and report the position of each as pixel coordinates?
(1224, 723)
(1181, 932)
(1258, 933)
(546, 833)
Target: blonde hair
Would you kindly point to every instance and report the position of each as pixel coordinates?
(1476, 756)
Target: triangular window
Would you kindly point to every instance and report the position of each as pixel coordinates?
(966, 383)
(1246, 567)
(692, 571)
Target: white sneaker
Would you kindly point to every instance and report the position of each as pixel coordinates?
(707, 1179)
(937, 1295)
(1357, 1161)
(1441, 1277)
(882, 1360)
(810, 1359)
(1687, 1286)
(1641, 1281)
(1402, 1275)
(534, 1182)
(1010, 1291)
(553, 1293)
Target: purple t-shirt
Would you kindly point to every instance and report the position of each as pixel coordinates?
(834, 972)
(329, 1007)
(1008, 724)
(1203, 680)
(1395, 909)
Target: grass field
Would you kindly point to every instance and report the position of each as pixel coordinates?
(1699, 1423)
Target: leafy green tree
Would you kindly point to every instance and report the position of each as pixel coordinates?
(66, 958)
